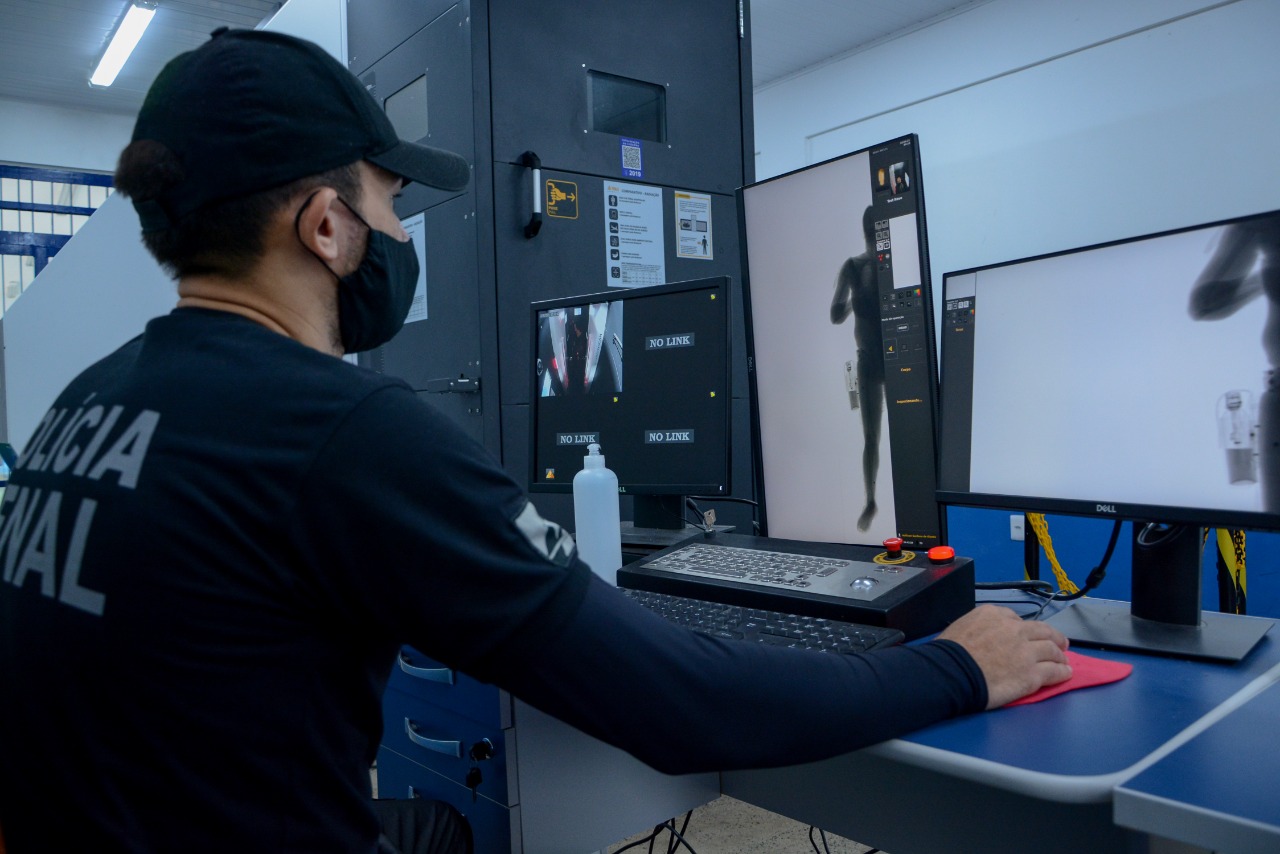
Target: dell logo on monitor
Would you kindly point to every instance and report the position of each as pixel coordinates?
(1106, 508)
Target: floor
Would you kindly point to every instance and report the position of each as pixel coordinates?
(728, 826)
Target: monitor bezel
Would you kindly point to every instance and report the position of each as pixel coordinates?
(926, 278)
(1100, 508)
(720, 284)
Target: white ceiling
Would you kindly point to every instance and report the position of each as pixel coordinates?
(48, 47)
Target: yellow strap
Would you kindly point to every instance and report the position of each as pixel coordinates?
(1231, 546)
(1041, 527)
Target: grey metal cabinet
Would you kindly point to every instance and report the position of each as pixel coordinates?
(652, 96)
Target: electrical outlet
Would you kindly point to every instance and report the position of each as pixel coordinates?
(1017, 527)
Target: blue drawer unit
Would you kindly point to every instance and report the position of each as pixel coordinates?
(450, 744)
(492, 825)
(423, 677)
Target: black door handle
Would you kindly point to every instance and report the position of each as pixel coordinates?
(531, 160)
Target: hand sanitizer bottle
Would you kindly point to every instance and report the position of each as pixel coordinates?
(597, 528)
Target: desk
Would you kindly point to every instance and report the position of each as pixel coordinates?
(1029, 778)
(1218, 789)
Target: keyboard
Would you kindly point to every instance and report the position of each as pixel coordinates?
(754, 566)
(755, 625)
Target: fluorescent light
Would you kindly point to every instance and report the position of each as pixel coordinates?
(123, 41)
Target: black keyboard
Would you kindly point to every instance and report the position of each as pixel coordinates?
(771, 627)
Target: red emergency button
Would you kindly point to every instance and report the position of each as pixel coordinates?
(941, 554)
(893, 547)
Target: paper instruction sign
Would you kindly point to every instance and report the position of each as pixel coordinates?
(416, 225)
(693, 226)
(635, 247)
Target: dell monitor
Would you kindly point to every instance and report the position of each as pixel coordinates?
(841, 342)
(1130, 380)
(643, 372)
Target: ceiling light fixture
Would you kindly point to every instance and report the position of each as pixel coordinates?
(123, 41)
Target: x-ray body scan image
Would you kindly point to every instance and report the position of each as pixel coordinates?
(857, 293)
(1244, 267)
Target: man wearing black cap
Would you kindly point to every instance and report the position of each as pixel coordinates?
(220, 534)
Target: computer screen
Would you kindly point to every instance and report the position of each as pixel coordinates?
(644, 372)
(1128, 380)
(842, 351)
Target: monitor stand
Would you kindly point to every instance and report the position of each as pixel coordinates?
(1165, 616)
(659, 522)
(664, 512)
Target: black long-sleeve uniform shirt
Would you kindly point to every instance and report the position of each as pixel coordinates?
(216, 541)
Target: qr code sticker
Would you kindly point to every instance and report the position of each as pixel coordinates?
(632, 166)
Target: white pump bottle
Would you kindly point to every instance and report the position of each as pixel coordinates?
(597, 527)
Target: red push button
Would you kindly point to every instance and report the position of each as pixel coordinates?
(893, 546)
(941, 554)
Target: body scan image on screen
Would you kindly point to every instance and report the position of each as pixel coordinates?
(840, 330)
(1145, 373)
(1133, 380)
(644, 372)
(580, 350)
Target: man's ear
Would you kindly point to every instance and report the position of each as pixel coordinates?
(320, 225)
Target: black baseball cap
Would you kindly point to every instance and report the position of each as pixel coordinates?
(251, 110)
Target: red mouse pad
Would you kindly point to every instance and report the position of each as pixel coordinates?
(1085, 673)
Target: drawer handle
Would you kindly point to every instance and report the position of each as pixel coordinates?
(431, 674)
(448, 748)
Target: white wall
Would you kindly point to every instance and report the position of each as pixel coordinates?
(1046, 125)
(321, 21)
(95, 294)
(102, 287)
(36, 135)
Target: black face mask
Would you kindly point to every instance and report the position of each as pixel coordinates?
(374, 299)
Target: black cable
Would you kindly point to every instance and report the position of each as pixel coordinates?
(1167, 532)
(651, 839)
(675, 846)
(671, 828)
(1098, 573)
(726, 498)
(1037, 588)
(1040, 605)
(640, 842)
(1029, 586)
(677, 837)
(755, 520)
(814, 842)
(822, 833)
(701, 524)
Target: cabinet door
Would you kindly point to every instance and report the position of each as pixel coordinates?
(494, 828)
(451, 744)
(571, 255)
(425, 678)
(377, 27)
(425, 86)
(572, 80)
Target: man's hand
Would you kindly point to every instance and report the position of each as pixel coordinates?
(1016, 656)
